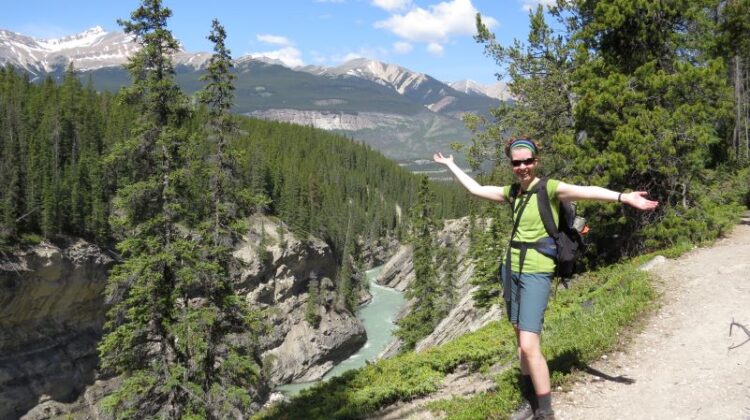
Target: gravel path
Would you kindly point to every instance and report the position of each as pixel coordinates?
(684, 364)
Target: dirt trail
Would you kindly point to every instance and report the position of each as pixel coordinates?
(681, 364)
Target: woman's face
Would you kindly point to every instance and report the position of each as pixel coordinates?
(523, 163)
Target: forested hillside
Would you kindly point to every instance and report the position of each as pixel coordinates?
(57, 175)
(168, 182)
(629, 95)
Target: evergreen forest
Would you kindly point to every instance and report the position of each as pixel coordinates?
(59, 174)
(624, 94)
(166, 181)
(632, 96)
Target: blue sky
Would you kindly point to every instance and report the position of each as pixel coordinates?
(429, 36)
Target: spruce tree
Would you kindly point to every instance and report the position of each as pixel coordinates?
(425, 289)
(228, 370)
(157, 326)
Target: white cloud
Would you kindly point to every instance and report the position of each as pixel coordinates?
(351, 56)
(401, 47)
(274, 39)
(392, 5)
(287, 54)
(529, 5)
(436, 24)
(435, 49)
(376, 53)
(290, 56)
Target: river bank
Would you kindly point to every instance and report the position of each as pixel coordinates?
(378, 317)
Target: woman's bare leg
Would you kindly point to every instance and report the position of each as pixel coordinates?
(533, 361)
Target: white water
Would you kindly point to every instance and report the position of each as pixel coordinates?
(377, 317)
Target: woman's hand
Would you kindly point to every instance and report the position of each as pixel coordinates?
(484, 191)
(439, 158)
(638, 200)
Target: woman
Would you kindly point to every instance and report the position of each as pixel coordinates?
(530, 285)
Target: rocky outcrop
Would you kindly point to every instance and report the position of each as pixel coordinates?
(52, 311)
(374, 252)
(398, 273)
(333, 120)
(279, 269)
(85, 407)
(51, 315)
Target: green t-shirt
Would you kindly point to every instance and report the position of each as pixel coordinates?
(531, 229)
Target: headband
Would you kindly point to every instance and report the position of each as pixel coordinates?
(524, 143)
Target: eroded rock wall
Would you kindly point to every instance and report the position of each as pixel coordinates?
(279, 281)
(52, 311)
(398, 273)
(51, 316)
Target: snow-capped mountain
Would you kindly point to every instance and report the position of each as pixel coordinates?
(400, 112)
(498, 90)
(92, 49)
(430, 92)
(400, 79)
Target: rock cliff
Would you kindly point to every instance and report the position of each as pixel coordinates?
(398, 273)
(51, 315)
(52, 311)
(278, 270)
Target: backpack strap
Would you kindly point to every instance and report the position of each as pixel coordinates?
(514, 192)
(515, 188)
(545, 209)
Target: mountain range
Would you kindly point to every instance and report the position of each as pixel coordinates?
(404, 114)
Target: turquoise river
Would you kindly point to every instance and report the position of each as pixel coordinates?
(377, 317)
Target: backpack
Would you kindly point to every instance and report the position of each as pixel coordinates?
(565, 242)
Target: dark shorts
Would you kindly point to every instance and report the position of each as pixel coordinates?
(529, 294)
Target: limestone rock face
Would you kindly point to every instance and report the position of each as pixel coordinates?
(398, 272)
(52, 310)
(279, 269)
(51, 316)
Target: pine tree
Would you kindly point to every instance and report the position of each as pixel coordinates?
(424, 290)
(625, 96)
(216, 368)
(540, 81)
(733, 44)
(156, 326)
(648, 103)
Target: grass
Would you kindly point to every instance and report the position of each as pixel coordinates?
(581, 324)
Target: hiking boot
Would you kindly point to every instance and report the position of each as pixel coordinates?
(544, 415)
(524, 412)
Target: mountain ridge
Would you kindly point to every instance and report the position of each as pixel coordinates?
(403, 113)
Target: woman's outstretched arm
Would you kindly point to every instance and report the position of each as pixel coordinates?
(488, 192)
(635, 199)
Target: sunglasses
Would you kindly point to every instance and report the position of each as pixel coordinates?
(527, 162)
